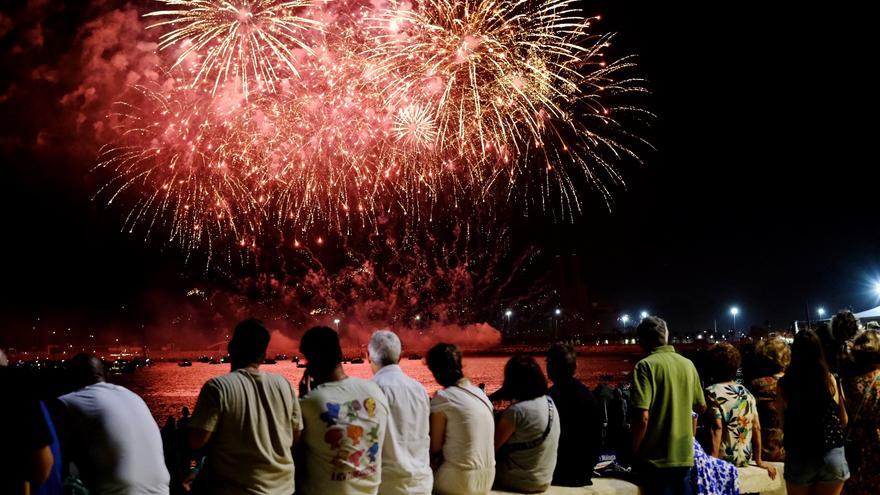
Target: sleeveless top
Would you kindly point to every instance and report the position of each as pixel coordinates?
(813, 432)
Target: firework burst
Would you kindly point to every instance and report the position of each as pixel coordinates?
(251, 41)
(397, 115)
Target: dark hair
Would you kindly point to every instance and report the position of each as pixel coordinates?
(807, 381)
(84, 370)
(561, 362)
(523, 378)
(249, 342)
(444, 361)
(652, 332)
(844, 326)
(724, 360)
(321, 348)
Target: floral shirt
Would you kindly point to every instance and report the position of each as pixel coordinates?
(736, 408)
(764, 389)
(863, 400)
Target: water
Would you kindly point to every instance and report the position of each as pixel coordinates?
(166, 387)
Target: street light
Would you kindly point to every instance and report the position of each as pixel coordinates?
(336, 322)
(509, 313)
(734, 311)
(877, 289)
(625, 320)
(820, 312)
(558, 312)
(644, 314)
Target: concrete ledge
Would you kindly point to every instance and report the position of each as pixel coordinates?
(752, 479)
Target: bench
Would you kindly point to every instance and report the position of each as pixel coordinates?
(752, 479)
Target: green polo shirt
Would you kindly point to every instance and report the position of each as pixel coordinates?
(668, 387)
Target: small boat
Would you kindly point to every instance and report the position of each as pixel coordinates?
(295, 359)
(300, 365)
(357, 360)
(214, 361)
(204, 359)
(225, 359)
(281, 357)
(414, 357)
(268, 361)
(185, 363)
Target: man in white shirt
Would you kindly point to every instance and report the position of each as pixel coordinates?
(406, 461)
(112, 437)
(249, 420)
(345, 420)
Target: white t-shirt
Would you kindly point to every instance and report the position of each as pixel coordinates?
(469, 447)
(406, 460)
(252, 416)
(345, 424)
(117, 446)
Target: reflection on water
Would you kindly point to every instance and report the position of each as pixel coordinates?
(166, 387)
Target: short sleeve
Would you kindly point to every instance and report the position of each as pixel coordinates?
(642, 390)
(207, 412)
(699, 398)
(514, 415)
(439, 403)
(39, 435)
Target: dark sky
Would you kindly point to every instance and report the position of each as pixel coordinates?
(763, 190)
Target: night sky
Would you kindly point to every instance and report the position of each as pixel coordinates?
(762, 191)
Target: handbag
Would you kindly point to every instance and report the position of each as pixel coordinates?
(512, 447)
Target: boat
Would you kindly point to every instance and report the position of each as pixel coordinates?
(295, 359)
(357, 360)
(204, 359)
(281, 357)
(214, 361)
(300, 365)
(414, 357)
(185, 363)
(268, 361)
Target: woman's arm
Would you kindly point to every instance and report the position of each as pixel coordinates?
(438, 437)
(503, 432)
(717, 429)
(758, 446)
(841, 402)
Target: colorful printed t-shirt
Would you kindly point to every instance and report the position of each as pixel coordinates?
(736, 408)
(345, 423)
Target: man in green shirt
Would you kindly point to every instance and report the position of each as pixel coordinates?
(666, 391)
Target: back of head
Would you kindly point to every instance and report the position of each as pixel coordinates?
(322, 350)
(444, 361)
(384, 348)
(844, 326)
(773, 355)
(523, 379)
(652, 332)
(249, 343)
(866, 349)
(84, 370)
(723, 362)
(807, 379)
(561, 362)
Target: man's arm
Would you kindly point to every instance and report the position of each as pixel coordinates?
(438, 436)
(639, 428)
(198, 438)
(41, 465)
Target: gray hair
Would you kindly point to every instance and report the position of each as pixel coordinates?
(384, 348)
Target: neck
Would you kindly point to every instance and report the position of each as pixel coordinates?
(239, 366)
(334, 376)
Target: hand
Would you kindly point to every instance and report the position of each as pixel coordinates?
(305, 384)
(771, 470)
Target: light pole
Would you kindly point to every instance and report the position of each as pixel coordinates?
(336, 322)
(734, 311)
(821, 312)
(624, 319)
(556, 312)
(644, 314)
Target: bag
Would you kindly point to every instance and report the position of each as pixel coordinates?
(511, 447)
